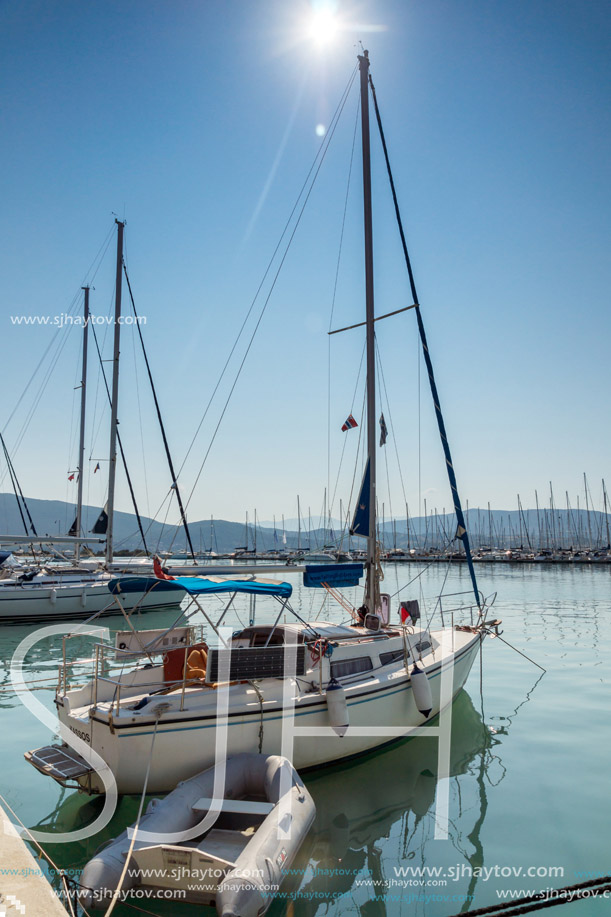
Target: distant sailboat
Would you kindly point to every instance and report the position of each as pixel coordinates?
(61, 591)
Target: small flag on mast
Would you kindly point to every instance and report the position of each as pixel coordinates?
(383, 430)
(97, 468)
(71, 476)
(349, 424)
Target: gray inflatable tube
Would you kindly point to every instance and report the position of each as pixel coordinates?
(248, 886)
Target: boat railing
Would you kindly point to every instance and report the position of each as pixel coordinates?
(134, 680)
(470, 609)
(106, 654)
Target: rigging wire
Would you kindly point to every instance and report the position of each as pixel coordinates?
(55, 348)
(345, 437)
(390, 423)
(159, 418)
(127, 474)
(388, 487)
(319, 156)
(267, 270)
(462, 525)
(95, 432)
(73, 439)
(141, 430)
(17, 489)
(333, 298)
(360, 448)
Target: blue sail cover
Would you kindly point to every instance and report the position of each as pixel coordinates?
(200, 585)
(332, 575)
(362, 515)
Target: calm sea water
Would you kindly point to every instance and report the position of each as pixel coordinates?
(529, 785)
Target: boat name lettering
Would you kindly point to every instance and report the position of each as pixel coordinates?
(80, 734)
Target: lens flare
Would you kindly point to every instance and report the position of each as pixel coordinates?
(323, 25)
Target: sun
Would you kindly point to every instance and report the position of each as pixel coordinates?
(324, 25)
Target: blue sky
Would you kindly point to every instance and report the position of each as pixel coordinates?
(196, 121)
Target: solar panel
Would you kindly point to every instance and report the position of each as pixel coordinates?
(256, 662)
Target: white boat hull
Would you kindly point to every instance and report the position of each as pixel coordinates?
(66, 598)
(185, 740)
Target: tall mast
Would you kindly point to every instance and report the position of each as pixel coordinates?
(407, 525)
(112, 464)
(298, 525)
(371, 586)
(552, 511)
(606, 513)
(585, 487)
(81, 448)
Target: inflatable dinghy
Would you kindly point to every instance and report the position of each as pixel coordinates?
(237, 865)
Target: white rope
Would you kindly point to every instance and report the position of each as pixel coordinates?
(117, 891)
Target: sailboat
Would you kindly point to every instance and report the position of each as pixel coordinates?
(67, 591)
(335, 690)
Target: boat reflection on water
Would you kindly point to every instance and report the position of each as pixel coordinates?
(380, 810)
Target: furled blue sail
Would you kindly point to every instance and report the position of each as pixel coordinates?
(361, 521)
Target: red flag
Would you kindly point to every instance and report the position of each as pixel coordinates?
(71, 477)
(349, 424)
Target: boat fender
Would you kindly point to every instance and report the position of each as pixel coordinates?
(337, 708)
(83, 599)
(424, 793)
(53, 596)
(422, 691)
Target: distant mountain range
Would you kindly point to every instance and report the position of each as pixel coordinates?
(494, 528)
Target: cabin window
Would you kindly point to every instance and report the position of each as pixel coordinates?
(422, 646)
(276, 639)
(387, 658)
(351, 666)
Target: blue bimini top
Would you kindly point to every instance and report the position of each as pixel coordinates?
(200, 585)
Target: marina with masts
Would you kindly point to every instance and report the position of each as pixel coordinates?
(381, 706)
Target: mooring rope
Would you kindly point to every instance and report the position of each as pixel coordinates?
(259, 694)
(128, 857)
(529, 903)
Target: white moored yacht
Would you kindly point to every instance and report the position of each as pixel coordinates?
(187, 701)
(169, 703)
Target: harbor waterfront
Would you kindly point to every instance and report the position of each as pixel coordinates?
(529, 809)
